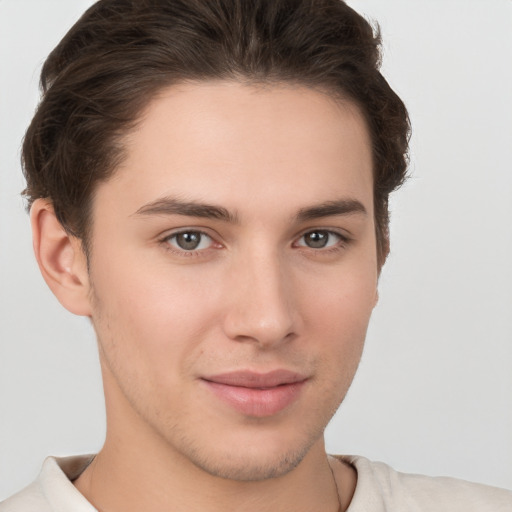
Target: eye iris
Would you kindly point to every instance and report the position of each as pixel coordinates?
(189, 240)
(316, 239)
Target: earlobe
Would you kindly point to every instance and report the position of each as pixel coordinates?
(61, 259)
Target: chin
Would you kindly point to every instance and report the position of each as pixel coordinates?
(248, 466)
(252, 454)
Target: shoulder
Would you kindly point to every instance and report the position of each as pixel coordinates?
(30, 499)
(380, 488)
(53, 490)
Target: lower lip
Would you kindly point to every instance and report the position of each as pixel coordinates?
(257, 402)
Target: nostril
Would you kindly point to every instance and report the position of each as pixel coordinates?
(258, 326)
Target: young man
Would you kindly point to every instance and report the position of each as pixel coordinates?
(208, 184)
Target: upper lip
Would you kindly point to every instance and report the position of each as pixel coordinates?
(251, 379)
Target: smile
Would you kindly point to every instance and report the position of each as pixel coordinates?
(257, 395)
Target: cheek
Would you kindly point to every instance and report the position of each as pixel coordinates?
(151, 315)
(341, 301)
(338, 317)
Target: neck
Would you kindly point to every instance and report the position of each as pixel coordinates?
(131, 480)
(124, 477)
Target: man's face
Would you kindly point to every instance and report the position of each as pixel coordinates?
(233, 273)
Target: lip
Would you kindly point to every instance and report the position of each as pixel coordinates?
(257, 394)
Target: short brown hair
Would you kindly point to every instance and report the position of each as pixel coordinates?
(120, 53)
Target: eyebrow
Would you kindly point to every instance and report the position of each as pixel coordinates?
(175, 206)
(330, 208)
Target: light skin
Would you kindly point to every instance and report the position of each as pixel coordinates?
(236, 236)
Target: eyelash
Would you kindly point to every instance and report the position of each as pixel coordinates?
(344, 240)
(165, 241)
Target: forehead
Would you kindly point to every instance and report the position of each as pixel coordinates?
(226, 140)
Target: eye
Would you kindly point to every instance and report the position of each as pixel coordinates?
(320, 239)
(190, 240)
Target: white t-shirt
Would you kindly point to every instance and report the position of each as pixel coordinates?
(379, 489)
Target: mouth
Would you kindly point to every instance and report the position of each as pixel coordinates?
(257, 394)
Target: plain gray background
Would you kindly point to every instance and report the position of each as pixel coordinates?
(433, 393)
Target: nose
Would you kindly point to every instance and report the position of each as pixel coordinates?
(261, 306)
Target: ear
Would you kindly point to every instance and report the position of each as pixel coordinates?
(61, 259)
